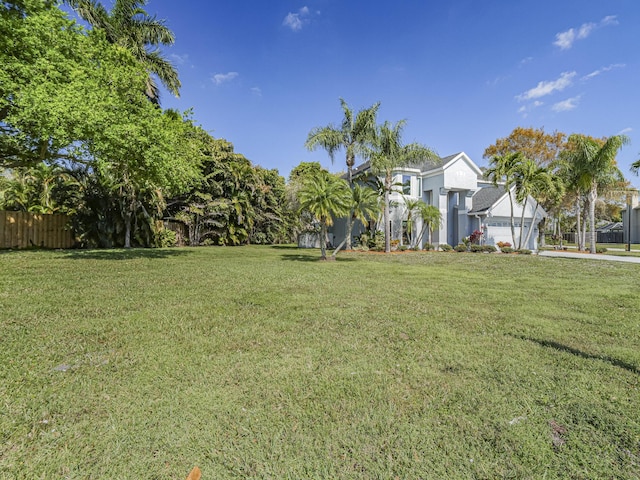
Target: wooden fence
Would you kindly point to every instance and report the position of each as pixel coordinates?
(24, 230)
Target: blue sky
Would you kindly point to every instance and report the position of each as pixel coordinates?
(462, 73)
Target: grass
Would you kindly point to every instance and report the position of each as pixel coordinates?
(261, 362)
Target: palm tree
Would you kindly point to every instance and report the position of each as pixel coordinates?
(531, 181)
(131, 27)
(363, 206)
(354, 134)
(431, 219)
(412, 206)
(502, 169)
(595, 166)
(388, 154)
(325, 196)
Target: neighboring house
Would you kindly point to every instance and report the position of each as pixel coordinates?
(467, 202)
(631, 220)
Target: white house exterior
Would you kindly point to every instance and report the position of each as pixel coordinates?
(465, 199)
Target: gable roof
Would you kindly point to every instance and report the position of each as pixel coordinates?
(423, 166)
(485, 198)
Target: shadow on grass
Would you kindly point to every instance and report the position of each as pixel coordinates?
(574, 351)
(285, 247)
(308, 258)
(125, 254)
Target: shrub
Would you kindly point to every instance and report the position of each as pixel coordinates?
(166, 238)
(601, 249)
(402, 248)
(524, 251)
(476, 248)
(461, 247)
(445, 247)
(507, 250)
(429, 246)
(489, 248)
(503, 244)
(475, 237)
(416, 248)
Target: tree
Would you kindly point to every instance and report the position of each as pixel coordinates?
(543, 148)
(130, 26)
(531, 181)
(354, 134)
(363, 206)
(502, 169)
(412, 208)
(390, 153)
(431, 219)
(594, 164)
(325, 196)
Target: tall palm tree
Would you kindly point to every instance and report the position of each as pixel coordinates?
(325, 196)
(390, 153)
(131, 27)
(595, 166)
(354, 134)
(412, 207)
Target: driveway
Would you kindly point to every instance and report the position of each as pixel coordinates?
(589, 256)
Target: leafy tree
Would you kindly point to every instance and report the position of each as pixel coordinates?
(325, 196)
(594, 166)
(354, 134)
(389, 153)
(543, 148)
(130, 26)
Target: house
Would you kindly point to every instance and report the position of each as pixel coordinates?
(466, 200)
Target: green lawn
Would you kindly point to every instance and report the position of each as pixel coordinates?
(261, 362)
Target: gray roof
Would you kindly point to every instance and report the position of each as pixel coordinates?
(484, 198)
(424, 166)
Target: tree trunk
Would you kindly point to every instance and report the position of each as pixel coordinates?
(526, 241)
(344, 240)
(585, 214)
(524, 208)
(542, 238)
(578, 229)
(513, 227)
(387, 226)
(323, 238)
(593, 196)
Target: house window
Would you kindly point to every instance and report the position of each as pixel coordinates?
(406, 184)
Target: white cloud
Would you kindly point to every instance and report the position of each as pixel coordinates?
(220, 78)
(295, 21)
(565, 40)
(566, 105)
(256, 91)
(524, 61)
(602, 70)
(547, 88)
(624, 131)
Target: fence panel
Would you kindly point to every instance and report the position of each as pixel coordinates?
(24, 230)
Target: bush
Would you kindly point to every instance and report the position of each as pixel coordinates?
(445, 247)
(489, 249)
(461, 247)
(165, 238)
(429, 246)
(476, 248)
(507, 250)
(503, 244)
(524, 251)
(402, 248)
(601, 249)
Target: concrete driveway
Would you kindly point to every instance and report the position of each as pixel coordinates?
(589, 256)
